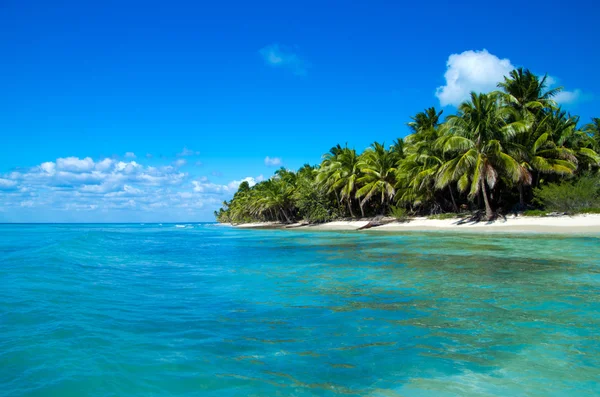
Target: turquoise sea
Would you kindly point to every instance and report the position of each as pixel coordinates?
(208, 310)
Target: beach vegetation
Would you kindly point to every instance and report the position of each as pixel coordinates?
(535, 213)
(507, 151)
(399, 213)
(578, 195)
(446, 215)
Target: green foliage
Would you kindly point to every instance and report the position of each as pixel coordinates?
(508, 145)
(401, 214)
(446, 215)
(570, 196)
(595, 210)
(535, 213)
(312, 201)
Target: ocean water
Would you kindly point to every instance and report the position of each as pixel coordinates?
(206, 310)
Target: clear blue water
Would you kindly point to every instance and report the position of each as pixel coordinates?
(204, 310)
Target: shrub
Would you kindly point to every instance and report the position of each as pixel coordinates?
(535, 213)
(447, 215)
(399, 213)
(589, 211)
(569, 196)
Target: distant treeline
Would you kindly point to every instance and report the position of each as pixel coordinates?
(492, 156)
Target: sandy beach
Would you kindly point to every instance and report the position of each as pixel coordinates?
(588, 223)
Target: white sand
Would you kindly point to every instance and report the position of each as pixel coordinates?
(560, 224)
(258, 225)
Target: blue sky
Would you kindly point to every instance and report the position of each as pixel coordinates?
(154, 111)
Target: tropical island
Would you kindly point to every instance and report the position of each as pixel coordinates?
(509, 152)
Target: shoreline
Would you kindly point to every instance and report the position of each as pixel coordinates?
(576, 224)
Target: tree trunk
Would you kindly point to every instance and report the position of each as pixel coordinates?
(286, 216)
(452, 196)
(350, 208)
(521, 196)
(362, 211)
(488, 210)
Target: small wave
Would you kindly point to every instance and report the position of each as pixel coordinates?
(180, 226)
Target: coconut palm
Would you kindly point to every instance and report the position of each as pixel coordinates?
(527, 93)
(574, 141)
(593, 131)
(427, 120)
(339, 173)
(538, 154)
(475, 137)
(417, 172)
(274, 200)
(378, 166)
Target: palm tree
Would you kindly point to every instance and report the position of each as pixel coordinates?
(339, 173)
(527, 93)
(378, 166)
(417, 172)
(534, 147)
(538, 154)
(574, 141)
(593, 131)
(475, 137)
(427, 120)
(274, 200)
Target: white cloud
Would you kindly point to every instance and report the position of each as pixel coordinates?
(127, 168)
(203, 185)
(49, 167)
(233, 185)
(130, 155)
(282, 57)
(477, 71)
(74, 164)
(7, 184)
(103, 165)
(273, 161)
(81, 189)
(187, 152)
(179, 163)
(565, 97)
(568, 97)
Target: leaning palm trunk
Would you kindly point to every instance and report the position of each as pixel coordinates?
(521, 196)
(452, 197)
(285, 215)
(349, 201)
(488, 210)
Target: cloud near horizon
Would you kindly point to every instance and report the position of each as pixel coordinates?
(278, 56)
(273, 161)
(481, 71)
(477, 71)
(101, 190)
(569, 97)
(187, 152)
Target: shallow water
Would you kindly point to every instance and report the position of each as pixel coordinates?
(132, 310)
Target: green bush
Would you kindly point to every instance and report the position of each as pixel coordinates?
(569, 196)
(399, 213)
(447, 215)
(535, 213)
(589, 211)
